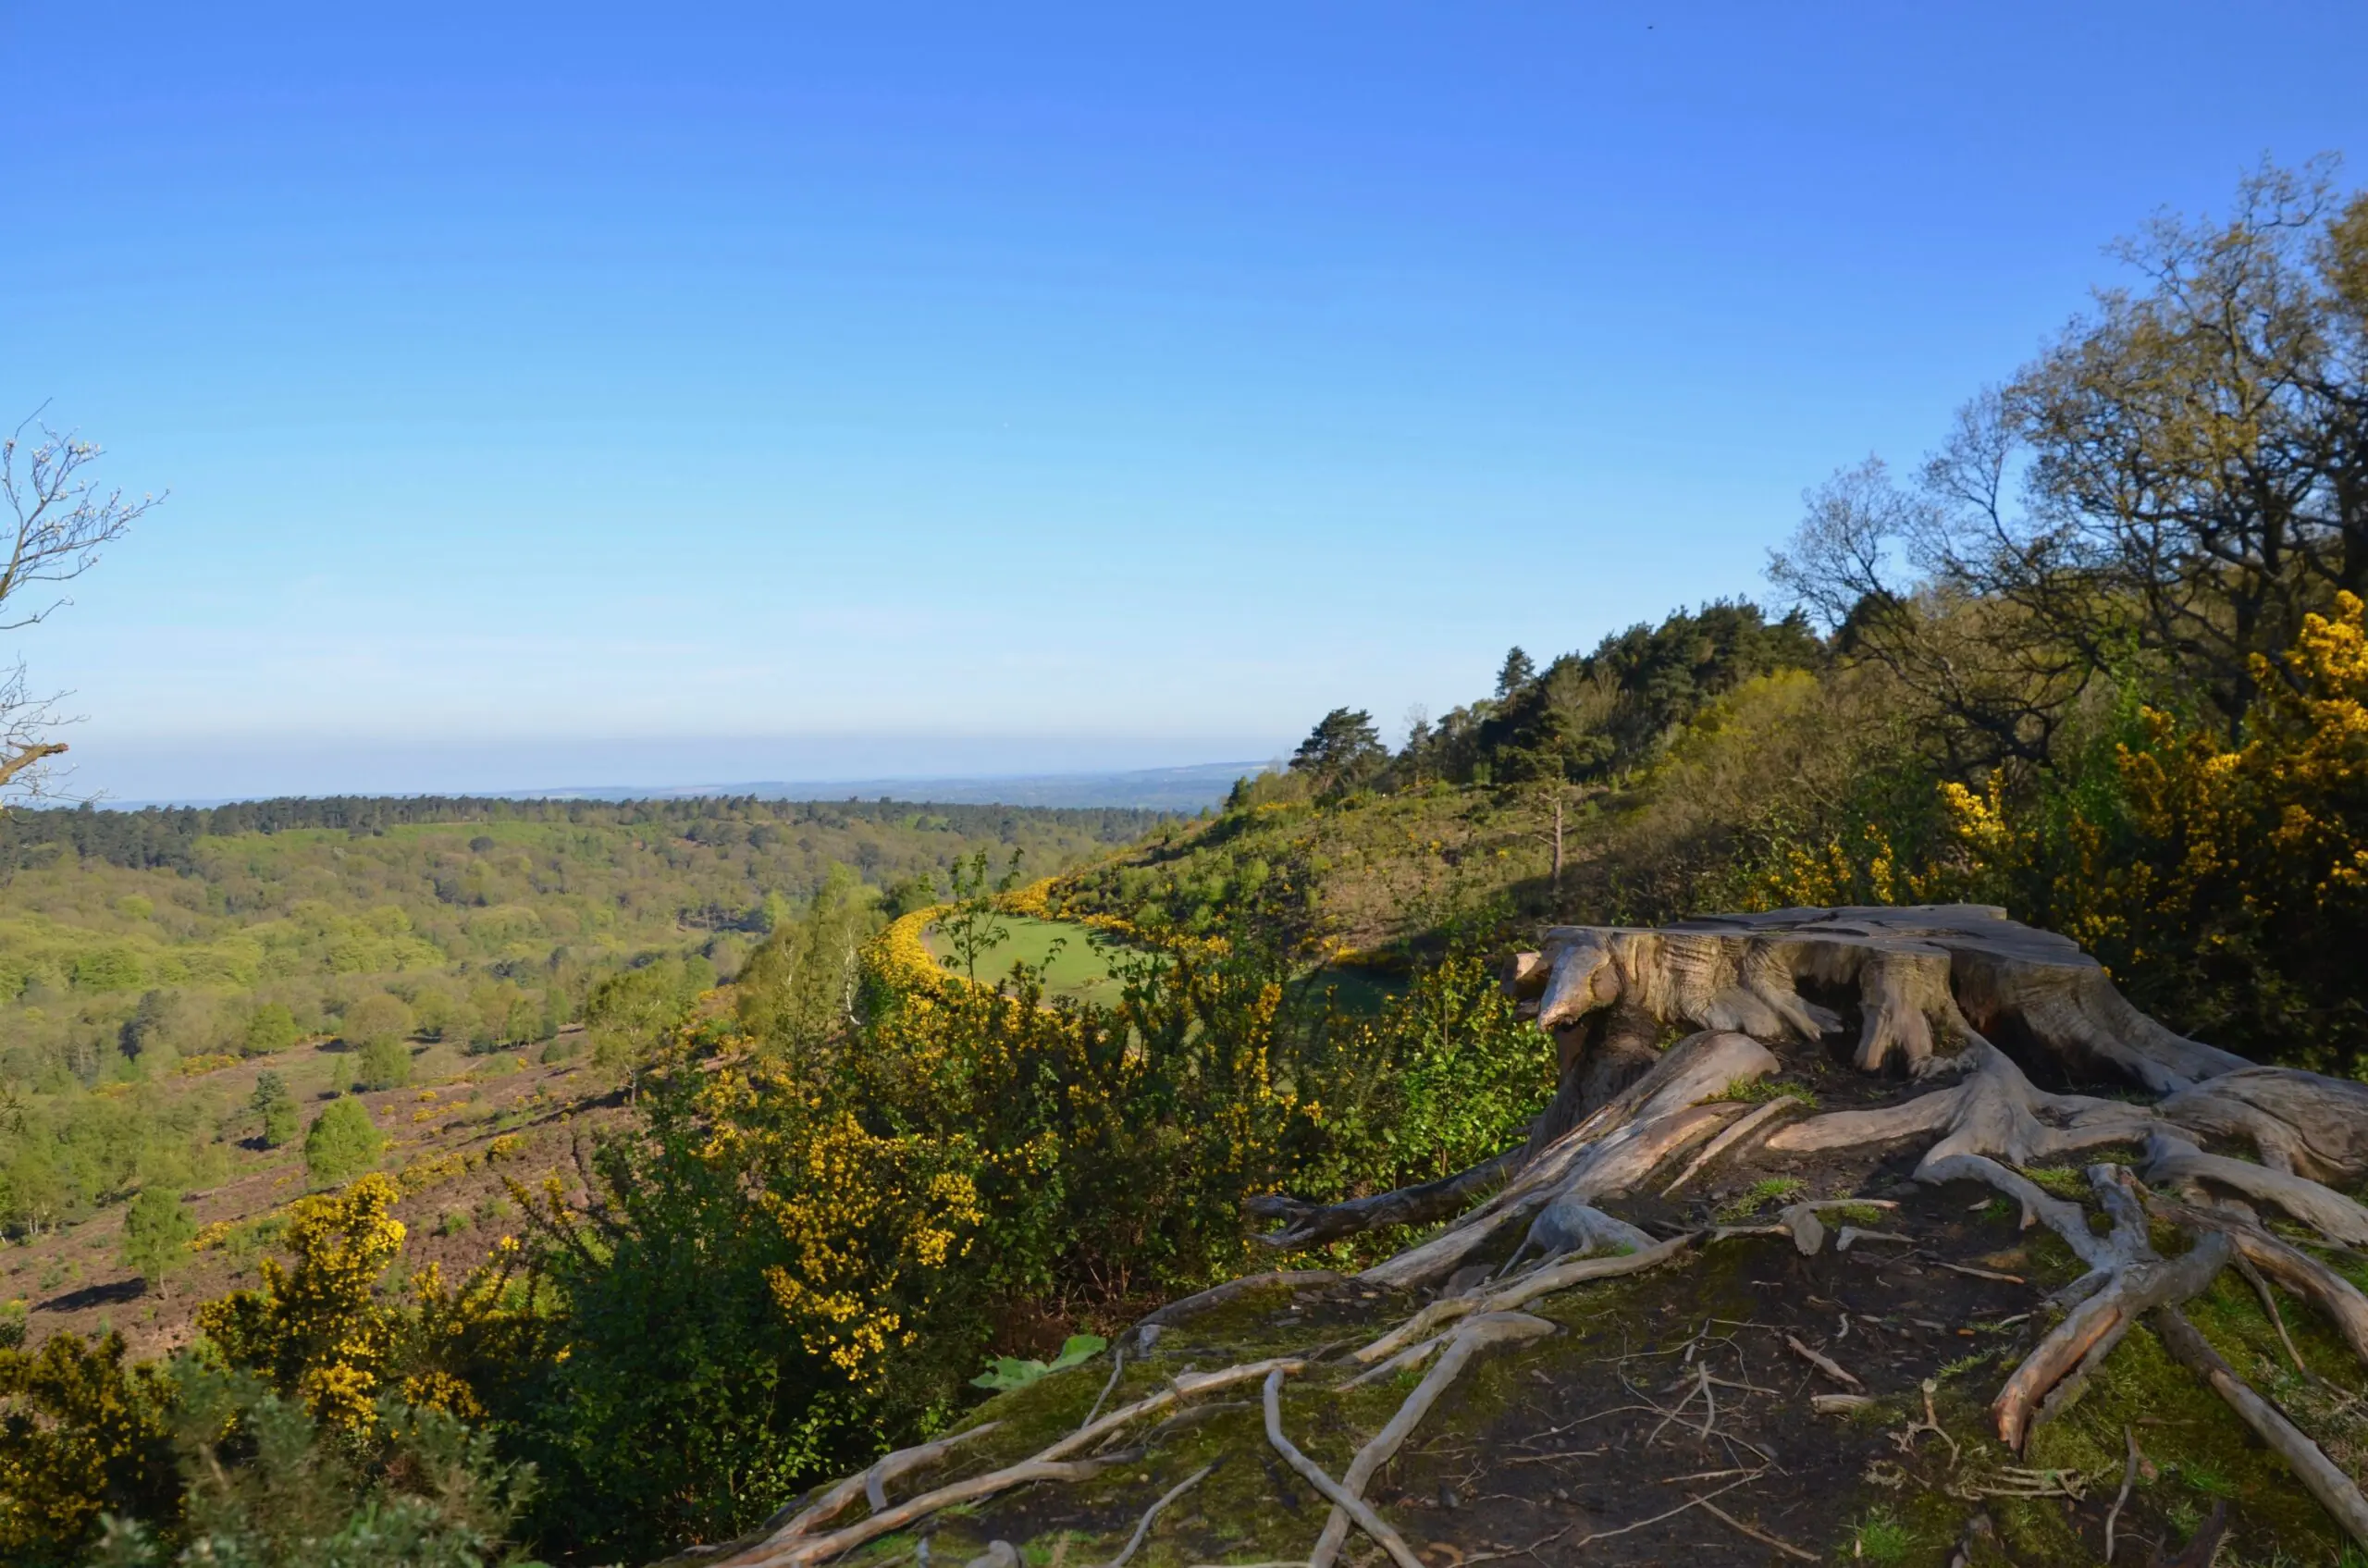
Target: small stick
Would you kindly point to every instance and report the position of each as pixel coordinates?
(1117, 1365)
(2128, 1480)
(2269, 1306)
(1355, 1507)
(1691, 1501)
(1969, 1270)
(1787, 1547)
(1143, 1527)
(1824, 1363)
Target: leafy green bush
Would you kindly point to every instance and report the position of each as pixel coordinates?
(384, 1064)
(272, 1029)
(267, 1487)
(343, 1142)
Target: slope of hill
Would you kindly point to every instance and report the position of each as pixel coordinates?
(154, 965)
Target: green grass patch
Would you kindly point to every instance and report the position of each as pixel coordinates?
(1072, 965)
(1758, 1196)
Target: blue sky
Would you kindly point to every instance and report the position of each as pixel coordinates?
(575, 394)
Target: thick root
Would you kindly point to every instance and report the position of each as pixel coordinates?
(2319, 1475)
(2172, 1161)
(1995, 1111)
(2300, 1122)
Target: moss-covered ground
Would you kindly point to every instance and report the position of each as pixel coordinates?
(1588, 1447)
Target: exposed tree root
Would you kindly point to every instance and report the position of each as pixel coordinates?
(870, 1484)
(1309, 1225)
(1475, 1335)
(2335, 1296)
(1957, 995)
(794, 1544)
(1995, 1111)
(1142, 1527)
(1146, 1329)
(2309, 1464)
(1518, 1293)
(2173, 1161)
(1614, 1151)
(2297, 1121)
(1732, 1137)
(1372, 1524)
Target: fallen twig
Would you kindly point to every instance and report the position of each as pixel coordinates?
(2128, 1480)
(1142, 1527)
(1691, 1501)
(1968, 1269)
(1762, 1537)
(1824, 1363)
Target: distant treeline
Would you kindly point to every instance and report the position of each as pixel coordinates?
(163, 837)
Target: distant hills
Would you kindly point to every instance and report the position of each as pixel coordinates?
(1185, 789)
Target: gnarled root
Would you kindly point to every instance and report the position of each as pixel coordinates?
(2173, 1161)
(1613, 1151)
(1994, 1111)
(1309, 1225)
(2301, 1122)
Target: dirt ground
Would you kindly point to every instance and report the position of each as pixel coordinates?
(443, 1129)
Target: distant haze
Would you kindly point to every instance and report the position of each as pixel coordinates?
(1017, 772)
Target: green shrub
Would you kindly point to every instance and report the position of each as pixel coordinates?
(277, 1108)
(384, 1064)
(272, 1029)
(342, 1145)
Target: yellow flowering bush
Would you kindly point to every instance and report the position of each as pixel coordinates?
(2226, 883)
(317, 1330)
(80, 1432)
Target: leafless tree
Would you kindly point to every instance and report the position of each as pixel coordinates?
(62, 519)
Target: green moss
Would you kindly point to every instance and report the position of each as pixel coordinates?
(1759, 1195)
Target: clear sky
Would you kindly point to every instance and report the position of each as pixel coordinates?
(591, 395)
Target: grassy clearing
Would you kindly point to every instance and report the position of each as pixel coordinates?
(1073, 965)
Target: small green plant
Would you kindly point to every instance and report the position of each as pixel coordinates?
(2058, 1181)
(2208, 1481)
(1881, 1538)
(12, 1324)
(1963, 1364)
(1759, 1195)
(1761, 1091)
(1005, 1372)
